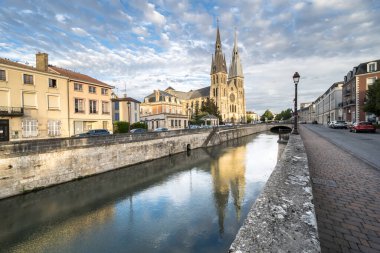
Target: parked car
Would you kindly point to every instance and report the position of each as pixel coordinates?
(338, 124)
(363, 127)
(331, 123)
(160, 129)
(138, 131)
(93, 132)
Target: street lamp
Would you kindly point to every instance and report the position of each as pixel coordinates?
(296, 79)
(129, 116)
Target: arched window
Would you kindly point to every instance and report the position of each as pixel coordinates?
(216, 92)
(217, 79)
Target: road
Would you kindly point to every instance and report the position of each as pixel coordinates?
(365, 146)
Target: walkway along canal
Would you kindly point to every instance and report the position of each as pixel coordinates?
(188, 202)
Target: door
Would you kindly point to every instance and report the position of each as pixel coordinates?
(4, 130)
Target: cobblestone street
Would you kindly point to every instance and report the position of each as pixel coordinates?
(347, 197)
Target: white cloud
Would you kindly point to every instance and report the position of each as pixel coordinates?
(79, 31)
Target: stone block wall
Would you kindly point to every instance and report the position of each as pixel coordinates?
(30, 165)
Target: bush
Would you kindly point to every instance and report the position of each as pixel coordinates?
(121, 127)
(139, 125)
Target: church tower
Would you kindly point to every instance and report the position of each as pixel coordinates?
(218, 75)
(236, 94)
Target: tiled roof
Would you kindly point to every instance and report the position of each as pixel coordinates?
(20, 65)
(78, 76)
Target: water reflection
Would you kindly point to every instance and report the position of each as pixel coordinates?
(158, 206)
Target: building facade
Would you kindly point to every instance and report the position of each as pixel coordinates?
(33, 101)
(226, 88)
(125, 109)
(89, 102)
(162, 109)
(355, 86)
(328, 105)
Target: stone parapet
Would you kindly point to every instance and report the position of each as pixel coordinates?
(283, 217)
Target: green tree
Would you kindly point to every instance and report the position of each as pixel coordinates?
(249, 119)
(268, 115)
(210, 107)
(284, 115)
(139, 125)
(373, 99)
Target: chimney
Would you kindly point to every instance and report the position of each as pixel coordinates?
(42, 61)
(157, 95)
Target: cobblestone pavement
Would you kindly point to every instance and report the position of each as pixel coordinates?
(346, 196)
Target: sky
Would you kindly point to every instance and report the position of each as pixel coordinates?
(139, 46)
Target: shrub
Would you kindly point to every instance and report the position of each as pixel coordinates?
(139, 125)
(121, 127)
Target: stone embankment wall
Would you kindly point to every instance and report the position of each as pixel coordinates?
(283, 217)
(30, 165)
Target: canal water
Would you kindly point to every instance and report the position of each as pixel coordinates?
(189, 202)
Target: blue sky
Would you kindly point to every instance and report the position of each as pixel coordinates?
(145, 45)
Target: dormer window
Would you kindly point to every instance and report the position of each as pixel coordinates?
(371, 67)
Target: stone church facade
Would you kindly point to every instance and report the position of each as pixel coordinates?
(226, 88)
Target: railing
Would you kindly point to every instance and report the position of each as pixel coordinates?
(11, 111)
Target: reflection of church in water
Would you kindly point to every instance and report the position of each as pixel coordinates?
(228, 173)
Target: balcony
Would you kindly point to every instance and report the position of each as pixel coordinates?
(347, 93)
(11, 111)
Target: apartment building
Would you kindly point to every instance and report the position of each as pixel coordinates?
(161, 109)
(355, 86)
(125, 109)
(33, 101)
(328, 105)
(89, 102)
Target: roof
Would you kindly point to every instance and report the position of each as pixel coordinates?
(203, 92)
(24, 66)
(362, 68)
(78, 76)
(125, 99)
(235, 68)
(161, 93)
(218, 62)
(209, 116)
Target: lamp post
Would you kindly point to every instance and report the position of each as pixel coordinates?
(129, 116)
(296, 78)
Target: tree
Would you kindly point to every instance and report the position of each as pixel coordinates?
(210, 107)
(121, 127)
(249, 119)
(268, 115)
(284, 115)
(373, 99)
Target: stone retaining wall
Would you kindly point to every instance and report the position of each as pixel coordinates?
(30, 165)
(283, 217)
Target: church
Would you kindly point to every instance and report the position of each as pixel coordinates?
(226, 88)
(173, 109)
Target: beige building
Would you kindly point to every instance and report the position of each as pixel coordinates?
(46, 101)
(125, 109)
(226, 89)
(162, 109)
(254, 116)
(33, 101)
(89, 102)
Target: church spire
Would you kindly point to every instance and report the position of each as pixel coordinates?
(219, 63)
(235, 67)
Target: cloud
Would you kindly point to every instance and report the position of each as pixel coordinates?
(151, 45)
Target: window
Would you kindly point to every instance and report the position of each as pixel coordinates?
(175, 122)
(2, 75)
(172, 121)
(91, 89)
(105, 108)
(179, 122)
(104, 91)
(52, 83)
(53, 102)
(371, 67)
(54, 127)
(29, 99)
(29, 128)
(93, 106)
(116, 105)
(78, 87)
(28, 79)
(135, 116)
(117, 116)
(79, 105)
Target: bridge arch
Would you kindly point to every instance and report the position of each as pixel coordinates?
(284, 128)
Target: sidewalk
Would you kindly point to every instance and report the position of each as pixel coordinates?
(346, 197)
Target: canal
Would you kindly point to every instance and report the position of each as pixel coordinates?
(189, 202)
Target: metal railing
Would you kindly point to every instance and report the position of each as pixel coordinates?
(11, 111)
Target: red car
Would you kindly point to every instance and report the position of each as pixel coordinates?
(363, 127)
